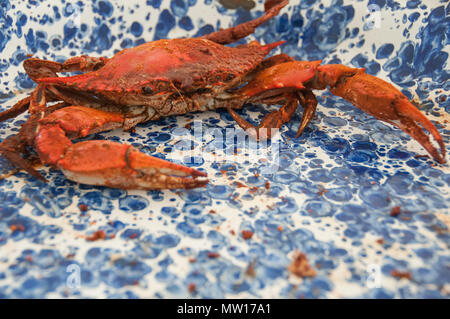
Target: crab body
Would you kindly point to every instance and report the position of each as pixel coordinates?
(155, 74)
(170, 77)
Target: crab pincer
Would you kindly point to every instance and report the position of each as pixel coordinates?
(120, 165)
(367, 92)
(101, 162)
(381, 100)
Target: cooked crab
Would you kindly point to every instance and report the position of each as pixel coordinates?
(170, 77)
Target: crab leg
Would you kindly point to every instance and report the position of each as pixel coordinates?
(273, 120)
(83, 63)
(37, 68)
(106, 163)
(276, 77)
(309, 102)
(124, 167)
(369, 93)
(276, 119)
(381, 100)
(13, 146)
(15, 110)
(240, 31)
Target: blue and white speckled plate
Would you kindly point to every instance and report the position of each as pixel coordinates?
(331, 197)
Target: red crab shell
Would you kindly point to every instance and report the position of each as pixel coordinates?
(169, 77)
(187, 64)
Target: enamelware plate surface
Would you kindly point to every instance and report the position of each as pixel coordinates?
(330, 198)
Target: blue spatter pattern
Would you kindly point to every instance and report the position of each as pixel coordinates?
(331, 197)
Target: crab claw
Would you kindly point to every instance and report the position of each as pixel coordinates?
(289, 75)
(369, 93)
(383, 101)
(122, 166)
(105, 163)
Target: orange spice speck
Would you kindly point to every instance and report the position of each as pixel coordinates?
(401, 274)
(395, 211)
(192, 288)
(99, 234)
(247, 234)
(239, 184)
(213, 255)
(17, 227)
(300, 266)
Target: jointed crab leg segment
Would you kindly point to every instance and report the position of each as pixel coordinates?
(274, 119)
(278, 76)
(369, 93)
(289, 75)
(233, 34)
(37, 68)
(16, 109)
(104, 162)
(383, 101)
(10, 149)
(38, 100)
(83, 63)
(13, 146)
(309, 102)
(56, 130)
